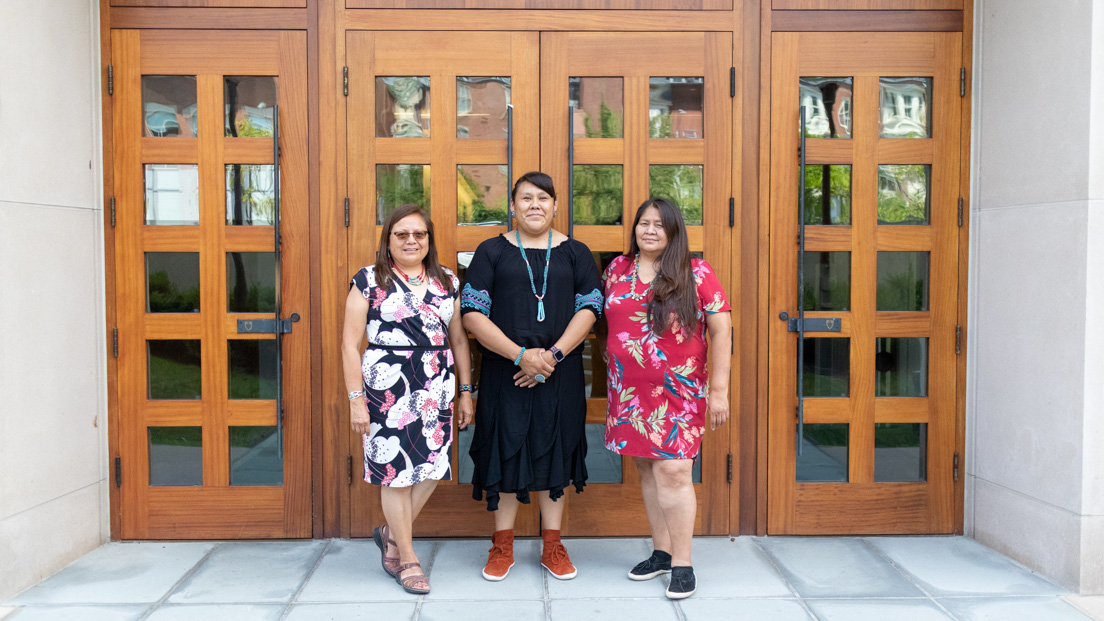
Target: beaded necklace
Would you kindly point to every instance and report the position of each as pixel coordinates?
(632, 290)
(413, 281)
(533, 285)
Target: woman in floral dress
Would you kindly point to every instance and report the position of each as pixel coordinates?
(659, 304)
(401, 390)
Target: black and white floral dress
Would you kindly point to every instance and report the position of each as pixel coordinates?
(409, 381)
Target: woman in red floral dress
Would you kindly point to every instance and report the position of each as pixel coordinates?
(659, 305)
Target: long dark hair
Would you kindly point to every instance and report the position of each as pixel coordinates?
(673, 289)
(383, 256)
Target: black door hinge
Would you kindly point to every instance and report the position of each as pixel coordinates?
(349, 468)
(346, 212)
(962, 82)
(115, 342)
(118, 472)
(110, 80)
(345, 80)
(954, 469)
(112, 212)
(731, 212)
(730, 467)
(732, 81)
(958, 340)
(960, 210)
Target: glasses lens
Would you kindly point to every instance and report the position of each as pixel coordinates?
(420, 235)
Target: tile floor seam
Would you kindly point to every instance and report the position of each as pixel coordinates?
(901, 570)
(427, 571)
(306, 579)
(547, 596)
(774, 565)
(188, 574)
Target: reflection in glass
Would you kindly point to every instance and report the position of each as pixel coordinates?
(827, 367)
(481, 108)
(399, 184)
(828, 194)
(252, 368)
(594, 363)
(903, 281)
(402, 107)
(175, 456)
(250, 194)
(463, 445)
(482, 194)
(602, 466)
(172, 282)
(249, 102)
(598, 194)
(169, 106)
(675, 107)
(599, 106)
(903, 194)
(901, 367)
(823, 457)
(695, 472)
(905, 112)
(827, 104)
(251, 282)
(681, 184)
(827, 281)
(900, 452)
(173, 369)
(255, 456)
(172, 194)
(603, 259)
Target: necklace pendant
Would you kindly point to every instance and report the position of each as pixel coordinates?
(540, 310)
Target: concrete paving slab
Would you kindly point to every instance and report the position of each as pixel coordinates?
(84, 613)
(960, 566)
(702, 609)
(458, 572)
(1011, 609)
(875, 609)
(522, 610)
(350, 571)
(1092, 605)
(118, 573)
(603, 566)
(378, 611)
(836, 567)
(217, 612)
(613, 609)
(250, 573)
(726, 568)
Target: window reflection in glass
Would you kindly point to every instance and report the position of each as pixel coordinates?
(169, 106)
(482, 194)
(599, 106)
(248, 105)
(827, 369)
(400, 184)
(827, 281)
(173, 369)
(823, 457)
(172, 194)
(827, 104)
(255, 456)
(675, 107)
(251, 282)
(481, 108)
(905, 112)
(900, 452)
(598, 194)
(252, 368)
(250, 194)
(681, 184)
(402, 107)
(903, 193)
(172, 282)
(175, 456)
(828, 194)
(901, 367)
(903, 281)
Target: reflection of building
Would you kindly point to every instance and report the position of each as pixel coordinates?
(904, 107)
(827, 104)
(678, 100)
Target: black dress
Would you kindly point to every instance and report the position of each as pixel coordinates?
(530, 439)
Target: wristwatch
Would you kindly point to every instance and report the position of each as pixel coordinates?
(557, 355)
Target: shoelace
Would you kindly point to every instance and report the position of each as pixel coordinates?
(497, 550)
(558, 553)
(682, 580)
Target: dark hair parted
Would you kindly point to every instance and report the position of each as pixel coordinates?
(383, 253)
(674, 290)
(537, 178)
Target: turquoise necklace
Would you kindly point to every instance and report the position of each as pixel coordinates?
(533, 285)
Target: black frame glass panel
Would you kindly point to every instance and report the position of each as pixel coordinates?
(248, 105)
(827, 104)
(255, 457)
(904, 194)
(481, 107)
(172, 282)
(603, 466)
(599, 106)
(827, 196)
(598, 194)
(169, 106)
(675, 107)
(250, 194)
(900, 452)
(401, 184)
(482, 194)
(827, 367)
(402, 107)
(172, 194)
(173, 369)
(827, 281)
(901, 366)
(175, 456)
(904, 280)
(904, 107)
(251, 282)
(251, 368)
(680, 183)
(824, 457)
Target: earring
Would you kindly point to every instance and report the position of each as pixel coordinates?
(511, 213)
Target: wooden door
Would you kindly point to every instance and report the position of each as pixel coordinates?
(880, 259)
(428, 120)
(643, 114)
(203, 452)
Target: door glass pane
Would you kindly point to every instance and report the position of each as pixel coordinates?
(399, 184)
(463, 445)
(903, 196)
(827, 367)
(603, 466)
(598, 194)
(251, 282)
(482, 194)
(681, 184)
(481, 108)
(175, 456)
(695, 473)
(402, 107)
(249, 102)
(250, 194)
(905, 112)
(675, 107)
(901, 367)
(173, 369)
(827, 104)
(172, 282)
(594, 366)
(252, 368)
(903, 281)
(169, 106)
(172, 194)
(823, 457)
(599, 106)
(900, 452)
(602, 260)
(828, 194)
(255, 456)
(827, 281)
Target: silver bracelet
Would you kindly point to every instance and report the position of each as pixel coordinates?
(356, 394)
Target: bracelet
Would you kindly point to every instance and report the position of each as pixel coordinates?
(465, 387)
(356, 394)
(517, 361)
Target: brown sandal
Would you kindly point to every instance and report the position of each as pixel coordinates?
(408, 582)
(380, 535)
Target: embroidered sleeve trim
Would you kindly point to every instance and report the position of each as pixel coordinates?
(476, 299)
(593, 300)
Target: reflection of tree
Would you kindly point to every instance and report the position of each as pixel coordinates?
(166, 297)
(598, 192)
(475, 207)
(904, 292)
(681, 184)
(827, 197)
(903, 194)
(400, 184)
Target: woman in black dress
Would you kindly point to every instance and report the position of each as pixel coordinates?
(530, 299)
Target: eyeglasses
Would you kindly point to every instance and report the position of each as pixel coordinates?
(405, 235)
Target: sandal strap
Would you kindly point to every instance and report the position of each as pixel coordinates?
(385, 530)
(406, 566)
